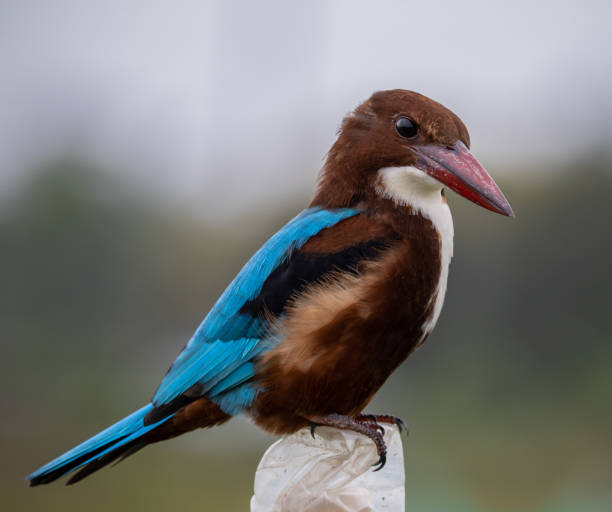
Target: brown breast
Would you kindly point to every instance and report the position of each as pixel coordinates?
(342, 338)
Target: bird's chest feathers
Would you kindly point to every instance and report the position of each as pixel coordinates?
(389, 308)
(361, 327)
(407, 186)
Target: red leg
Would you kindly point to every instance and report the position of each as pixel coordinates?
(361, 427)
(383, 418)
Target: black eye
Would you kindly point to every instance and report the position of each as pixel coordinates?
(406, 128)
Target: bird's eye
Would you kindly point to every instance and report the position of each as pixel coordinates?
(406, 128)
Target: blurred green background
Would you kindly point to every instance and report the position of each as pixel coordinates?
(148, 148)
(508, 402)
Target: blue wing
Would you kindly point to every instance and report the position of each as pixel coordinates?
(217, 361)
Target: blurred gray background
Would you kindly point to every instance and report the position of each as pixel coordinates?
(148, 148)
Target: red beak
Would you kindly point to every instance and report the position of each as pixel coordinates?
(455, 167)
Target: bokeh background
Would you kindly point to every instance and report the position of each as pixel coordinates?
(148, 148)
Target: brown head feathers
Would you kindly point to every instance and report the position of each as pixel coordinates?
(368, 141)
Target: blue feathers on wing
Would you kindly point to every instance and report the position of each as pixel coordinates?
(227, 339)
(218, 358)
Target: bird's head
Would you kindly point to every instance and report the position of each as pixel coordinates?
(401, 144)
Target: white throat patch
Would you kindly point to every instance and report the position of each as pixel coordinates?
(411, 187)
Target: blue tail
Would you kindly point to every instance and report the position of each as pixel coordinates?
(117, 441)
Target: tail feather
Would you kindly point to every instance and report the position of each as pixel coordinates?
(119, 440)
(116, 453)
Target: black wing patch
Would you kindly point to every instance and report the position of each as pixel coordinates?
(303, 269)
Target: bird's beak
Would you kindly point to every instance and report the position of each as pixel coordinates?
(456, 168)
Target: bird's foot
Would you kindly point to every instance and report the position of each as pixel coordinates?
(383, 418)
(367, 428)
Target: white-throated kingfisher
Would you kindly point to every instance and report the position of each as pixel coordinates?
(322, 314)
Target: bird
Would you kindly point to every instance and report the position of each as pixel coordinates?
(322, 314)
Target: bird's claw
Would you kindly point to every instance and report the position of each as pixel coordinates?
(377, 419)
(382, 460)
(363, 424)
(401, 425)
(313, 426)
(372, 421)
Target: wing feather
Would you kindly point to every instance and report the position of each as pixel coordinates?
(216, 359)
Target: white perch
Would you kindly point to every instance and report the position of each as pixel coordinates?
(330, 473)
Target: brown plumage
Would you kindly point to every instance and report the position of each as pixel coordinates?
(344, 338)
(368, 141)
